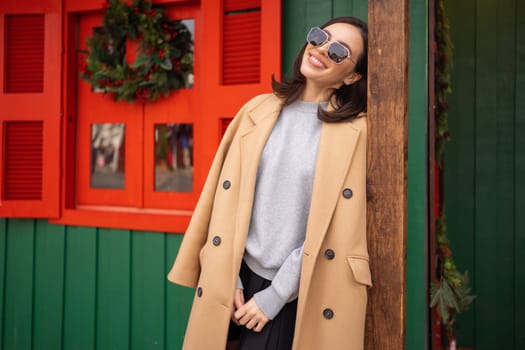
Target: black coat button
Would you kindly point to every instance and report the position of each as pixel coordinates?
(216, 240)
(329, 254)
(328, 313)
(199, 292)
(226, 184)
(347, 193)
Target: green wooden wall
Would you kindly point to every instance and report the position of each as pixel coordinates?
(64, 287)
(88, 288)
(484, 185)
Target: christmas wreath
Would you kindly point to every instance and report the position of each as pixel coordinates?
(164, 59)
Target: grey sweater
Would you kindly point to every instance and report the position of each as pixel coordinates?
(275, 243)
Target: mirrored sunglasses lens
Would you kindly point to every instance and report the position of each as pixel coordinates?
(337, 52)
(316, 36)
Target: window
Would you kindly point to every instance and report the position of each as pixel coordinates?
(132, 165)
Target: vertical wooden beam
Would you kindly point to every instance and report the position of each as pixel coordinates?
(387, 171)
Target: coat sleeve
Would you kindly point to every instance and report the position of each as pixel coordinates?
(186, 268)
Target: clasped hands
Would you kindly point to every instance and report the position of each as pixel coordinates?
(247, 314)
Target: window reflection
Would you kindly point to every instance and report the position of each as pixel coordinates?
(107, 155)
(190, 25)
(173, 157)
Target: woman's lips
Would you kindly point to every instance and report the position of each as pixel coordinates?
(314, 61)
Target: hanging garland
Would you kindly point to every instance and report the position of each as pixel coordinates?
(165, 52)
(450, 295)
(443, 65)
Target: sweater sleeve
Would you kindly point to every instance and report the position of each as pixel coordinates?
(284, 287)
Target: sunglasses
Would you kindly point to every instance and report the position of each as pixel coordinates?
(337, 52)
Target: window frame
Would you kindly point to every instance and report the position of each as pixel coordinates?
(157, 212)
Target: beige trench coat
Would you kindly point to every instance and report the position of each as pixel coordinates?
(333, 286)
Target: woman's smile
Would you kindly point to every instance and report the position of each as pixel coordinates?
(316, 62)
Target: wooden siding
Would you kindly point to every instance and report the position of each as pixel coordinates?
(66, 287)
(485, 168)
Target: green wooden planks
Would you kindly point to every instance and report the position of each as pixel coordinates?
(3, 230)
(416, 307)
(18, 298)
(494, 174)
(49, 285)
(343, 8)
(361, 9)
(148, 302)
(178, 298)
(355, 8)
(113, 289)
(460, 164)
(519, 171)
(80, 288)
(316, 12)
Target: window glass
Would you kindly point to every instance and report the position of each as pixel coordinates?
(190, 24)
(107, 155)
(173, 157)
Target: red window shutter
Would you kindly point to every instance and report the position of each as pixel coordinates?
(23, 144)
(30, 40)
(241, 42)
(24, 66)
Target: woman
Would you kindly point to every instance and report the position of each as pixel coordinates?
(277, 242)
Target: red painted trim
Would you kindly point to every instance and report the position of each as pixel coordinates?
(171, 221)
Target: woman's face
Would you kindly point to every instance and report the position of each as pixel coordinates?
(324, 73)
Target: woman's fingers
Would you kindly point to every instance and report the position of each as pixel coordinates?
(238, 301)
(260, 326)
(251, 316)
(238, 298)
(252, 323)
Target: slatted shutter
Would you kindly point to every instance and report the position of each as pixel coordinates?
(23, 155)
(30, 37)
(241, 42)
(24, 50)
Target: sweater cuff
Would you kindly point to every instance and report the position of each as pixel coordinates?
(269, 302)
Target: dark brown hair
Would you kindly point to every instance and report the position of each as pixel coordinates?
(350, 100)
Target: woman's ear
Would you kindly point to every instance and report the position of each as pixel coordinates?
(352, 78)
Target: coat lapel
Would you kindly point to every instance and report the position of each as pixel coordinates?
(336, 149)
(252, 144)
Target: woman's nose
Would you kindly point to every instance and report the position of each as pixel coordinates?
(324, 47)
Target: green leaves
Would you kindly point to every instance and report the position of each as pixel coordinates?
(165, 52)
(166, 64)
(451, 299)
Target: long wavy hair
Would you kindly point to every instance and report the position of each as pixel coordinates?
(350, 100)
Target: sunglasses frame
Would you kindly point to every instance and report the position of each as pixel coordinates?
(327, 39)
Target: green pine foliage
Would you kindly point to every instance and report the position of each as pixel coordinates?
(443, 64)
(451, 293)
(164, 58)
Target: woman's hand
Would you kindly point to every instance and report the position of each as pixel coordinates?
(251, 316)
(238, 302)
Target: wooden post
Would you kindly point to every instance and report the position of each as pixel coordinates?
(387, 171)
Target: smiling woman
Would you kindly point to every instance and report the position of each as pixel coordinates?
(281, 221)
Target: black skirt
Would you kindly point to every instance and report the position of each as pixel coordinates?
(277, 334)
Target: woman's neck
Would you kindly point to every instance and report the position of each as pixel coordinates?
(313, 93)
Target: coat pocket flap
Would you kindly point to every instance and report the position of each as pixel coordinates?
(360, 269)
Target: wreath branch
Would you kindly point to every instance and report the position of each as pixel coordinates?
(164, 60)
